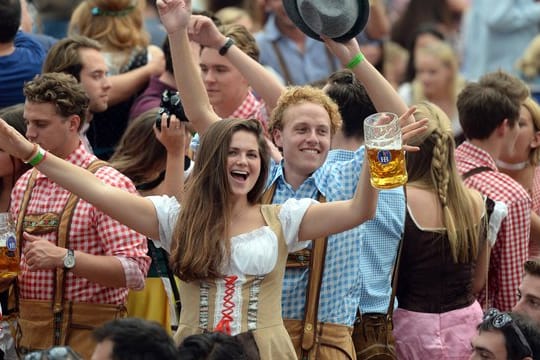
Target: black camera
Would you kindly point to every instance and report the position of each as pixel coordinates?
(170, 105)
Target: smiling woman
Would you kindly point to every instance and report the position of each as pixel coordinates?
(437, 80)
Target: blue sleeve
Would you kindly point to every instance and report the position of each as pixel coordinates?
(508, 15)
(25, 41)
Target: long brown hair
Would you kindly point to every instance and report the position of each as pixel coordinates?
(130, 160)
(201, 241)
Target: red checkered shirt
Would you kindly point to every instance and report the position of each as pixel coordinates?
(251, 108)
(91, 232)
(512, 247)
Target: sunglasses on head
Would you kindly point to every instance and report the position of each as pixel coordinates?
(502, 320)
(54, 353)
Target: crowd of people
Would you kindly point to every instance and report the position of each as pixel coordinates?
(189, 180)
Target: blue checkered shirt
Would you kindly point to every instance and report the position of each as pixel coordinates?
(379, 243)
(341, 284)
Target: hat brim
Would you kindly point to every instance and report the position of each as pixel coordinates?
(291, 8)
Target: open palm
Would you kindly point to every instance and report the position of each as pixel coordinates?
(174, 14)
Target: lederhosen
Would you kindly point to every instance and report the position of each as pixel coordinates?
(45, 323)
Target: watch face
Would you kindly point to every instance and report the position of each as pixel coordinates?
(69, 260)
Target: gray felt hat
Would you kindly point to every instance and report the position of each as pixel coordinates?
(340, 20)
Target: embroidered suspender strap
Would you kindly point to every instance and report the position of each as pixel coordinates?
(20, 228)
(63, 241)
(282, 64)
(24, 204)
(311, 309)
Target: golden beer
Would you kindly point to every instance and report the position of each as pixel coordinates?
(9, 254)
(387, 167)
(9, 263)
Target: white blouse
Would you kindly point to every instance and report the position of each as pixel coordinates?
(252, 253)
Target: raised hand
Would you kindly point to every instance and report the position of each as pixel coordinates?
(202, 30)
(343, 51)
(174, 14)
(174, 137)
(410, 129)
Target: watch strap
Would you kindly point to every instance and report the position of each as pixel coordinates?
(223, 50)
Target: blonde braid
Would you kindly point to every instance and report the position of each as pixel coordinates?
(441, 176)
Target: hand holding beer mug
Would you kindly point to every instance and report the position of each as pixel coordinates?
(385, 154)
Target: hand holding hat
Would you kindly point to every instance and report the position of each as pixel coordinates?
(340, 20)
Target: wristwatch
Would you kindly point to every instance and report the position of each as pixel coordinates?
(69, 260)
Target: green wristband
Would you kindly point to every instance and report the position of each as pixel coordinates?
(40, 155)
(355, 61)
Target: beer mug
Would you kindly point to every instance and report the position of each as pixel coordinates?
(9, 255)
(386, 157)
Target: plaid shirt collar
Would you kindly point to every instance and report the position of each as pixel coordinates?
(475, 157)
(314, 180)
(248, 108)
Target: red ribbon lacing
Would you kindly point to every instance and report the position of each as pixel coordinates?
(224, 325)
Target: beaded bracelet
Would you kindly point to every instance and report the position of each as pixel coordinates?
(37, 156)
(355, 61)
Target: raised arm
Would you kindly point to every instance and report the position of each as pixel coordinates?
(203, 31)
(381, 92)
(175, 16)
(173, 138)
(337, 216)
(134, 211)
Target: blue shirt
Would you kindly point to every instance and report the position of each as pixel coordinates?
(19, 67)
(495, 34)
(379, 244)
(307, 67)
(341, 284)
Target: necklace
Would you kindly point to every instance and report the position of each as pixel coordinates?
(508, 166)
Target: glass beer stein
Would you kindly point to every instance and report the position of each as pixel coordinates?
(385, 155)
(9, 255)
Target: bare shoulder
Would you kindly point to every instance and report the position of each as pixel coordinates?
(478, 201)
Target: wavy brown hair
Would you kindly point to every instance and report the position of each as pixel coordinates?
(60, 89)
(295, 95)
(64, 56)
(128, 157)
(201, 240)
(123, 31)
